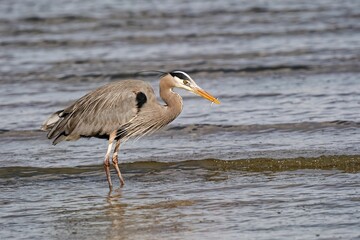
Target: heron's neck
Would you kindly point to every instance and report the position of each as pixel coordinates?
(172, 99)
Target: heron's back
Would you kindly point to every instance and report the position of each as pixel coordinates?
(100, 112)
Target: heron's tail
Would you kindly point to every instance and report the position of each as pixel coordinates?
(54, 126)
(49, 123)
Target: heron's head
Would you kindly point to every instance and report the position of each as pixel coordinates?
(184, 81)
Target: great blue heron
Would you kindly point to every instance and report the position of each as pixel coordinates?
(120, 110)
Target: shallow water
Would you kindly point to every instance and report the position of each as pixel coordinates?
(186, 199)
(278, 159)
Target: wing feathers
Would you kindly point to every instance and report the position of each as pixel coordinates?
(100, 112)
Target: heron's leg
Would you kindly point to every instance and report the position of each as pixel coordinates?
(107, 162)
(115, 162)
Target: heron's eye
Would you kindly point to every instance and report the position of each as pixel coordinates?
(186, 82)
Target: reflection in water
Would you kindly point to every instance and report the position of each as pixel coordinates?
(115, 213)
(145, 217)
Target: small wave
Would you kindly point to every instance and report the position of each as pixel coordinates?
(255, 128)
(123, 75)
(342, 162)
(215, 128)
(97, 75)
(57, 20)
(18, 133)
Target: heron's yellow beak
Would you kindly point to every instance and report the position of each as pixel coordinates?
(206, 95)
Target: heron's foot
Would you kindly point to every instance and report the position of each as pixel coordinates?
(107, 171)
(116, 166)
(122, 182)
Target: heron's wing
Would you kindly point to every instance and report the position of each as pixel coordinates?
(102, 111)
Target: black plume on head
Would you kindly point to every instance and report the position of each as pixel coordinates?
(180, 74)
(151, 71)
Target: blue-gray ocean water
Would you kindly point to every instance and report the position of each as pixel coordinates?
(278, 159)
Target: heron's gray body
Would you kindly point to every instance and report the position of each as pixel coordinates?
(121, 110)
(127, 107)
